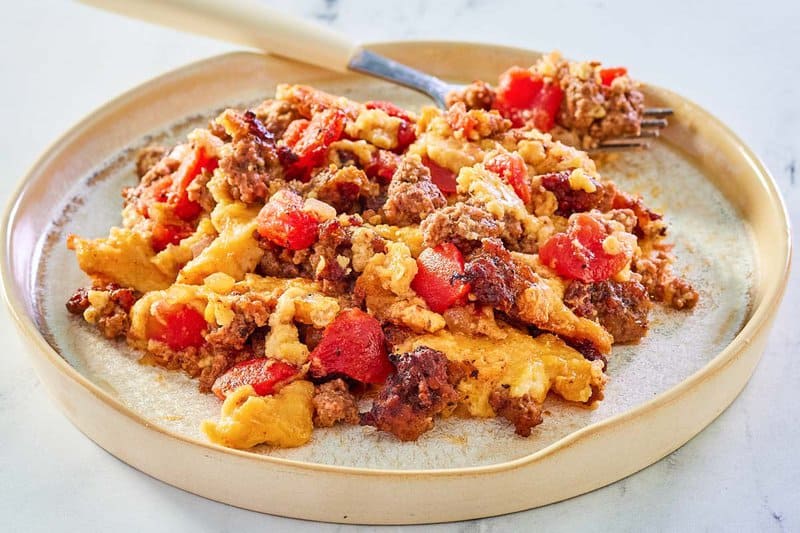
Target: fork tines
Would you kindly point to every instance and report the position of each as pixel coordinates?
(650, 128)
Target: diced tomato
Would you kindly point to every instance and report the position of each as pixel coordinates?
(166, 234)
(444, 178)
(179, 326)
(353, 345)
(579, 254)
(283, 221)
(265, 375)
(525, 97)
(382, 167)
(295, 131)
(438, 279)
(406, 133)
(172, 189)
(310, 142)
(511, 167)
(608, 75)
(519, 87)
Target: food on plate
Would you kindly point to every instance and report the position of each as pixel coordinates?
(316, 261)
(579, 103)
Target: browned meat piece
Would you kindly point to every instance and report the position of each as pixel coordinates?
(253, 168)
(523, 412)
(78, 302)
(148, 157)
(620, 307)
(596, 112)
(276, 115)
(461, 224)
(649, 224)
(476, 95)
(412, 195)
(572, 201)
(495, 279)
(280, 262)
(333, 403)
(341, 188)
(203, 363)
(334, 241)
(112, 319)
(419, 390)
(250, 312)
(396, 334)
(624, 106)
(662, 284)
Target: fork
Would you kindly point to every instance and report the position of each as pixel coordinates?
(250, 23)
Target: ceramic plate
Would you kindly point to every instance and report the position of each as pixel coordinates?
(726, 219)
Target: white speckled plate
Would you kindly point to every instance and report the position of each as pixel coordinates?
(725, 216)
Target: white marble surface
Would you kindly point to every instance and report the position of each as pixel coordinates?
(60, 60)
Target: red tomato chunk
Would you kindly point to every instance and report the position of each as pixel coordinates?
(444, 178)
(437, 280)
(353, 345)
(525, 97)
(283, 222)
(265, 375)
(180, 326)
(608, 75)
(511, 167)
(579, 254)
(309, 141)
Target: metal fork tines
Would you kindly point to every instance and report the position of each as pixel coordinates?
(372, 64)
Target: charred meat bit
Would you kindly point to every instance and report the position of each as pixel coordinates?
(419, 390)
(335, 240)
(252, 168)
(620, 307)
(412, 195)
(79, 301)
(249, 312)
(342, 188)
(574, 201)
(461, 224)
(334, 403)
(522, 411)
(495, 280)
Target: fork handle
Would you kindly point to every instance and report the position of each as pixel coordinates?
(244, 22)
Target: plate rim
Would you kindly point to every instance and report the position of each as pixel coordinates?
(760, 317)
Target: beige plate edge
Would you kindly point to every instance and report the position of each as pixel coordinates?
(318, 492)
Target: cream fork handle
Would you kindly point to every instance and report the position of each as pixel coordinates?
(244, 22)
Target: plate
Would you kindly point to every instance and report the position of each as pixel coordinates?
(726, 218)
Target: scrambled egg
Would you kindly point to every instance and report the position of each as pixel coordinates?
(283, 419)
(519, 362)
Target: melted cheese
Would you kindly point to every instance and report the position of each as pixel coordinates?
(519, 362)
(283, 419)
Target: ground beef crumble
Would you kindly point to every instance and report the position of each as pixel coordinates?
(620, 307)
(420, 389)
(522, 411)
(412, 195)
(112, 319)
(573, 201)
(252, 168)
(334, 403)
(148, 157)
(461, 224)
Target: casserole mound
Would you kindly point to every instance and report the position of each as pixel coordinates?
(316, 261)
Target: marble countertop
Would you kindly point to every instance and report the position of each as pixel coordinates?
(61, 59)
